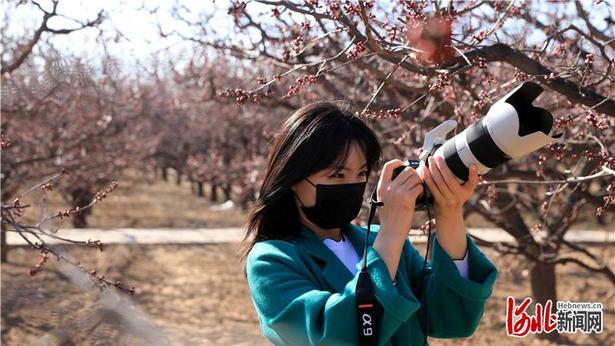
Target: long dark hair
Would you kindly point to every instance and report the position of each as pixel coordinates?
(315, 137)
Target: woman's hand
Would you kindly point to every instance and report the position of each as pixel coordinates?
(449, 197)
(399, 198)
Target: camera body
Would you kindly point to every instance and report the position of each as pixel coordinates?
(422, 200)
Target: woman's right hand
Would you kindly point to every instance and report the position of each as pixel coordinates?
(399, 198)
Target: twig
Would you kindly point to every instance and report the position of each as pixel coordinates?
(382, 84)
(605, 171)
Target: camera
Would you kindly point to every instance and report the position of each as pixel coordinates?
(512, 128)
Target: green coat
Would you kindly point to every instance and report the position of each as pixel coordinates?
(303, 294)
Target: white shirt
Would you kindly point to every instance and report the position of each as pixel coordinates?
(347, 254)
(344, 250)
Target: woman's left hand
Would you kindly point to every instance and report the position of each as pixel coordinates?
(449, 195)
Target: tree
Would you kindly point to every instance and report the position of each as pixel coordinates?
(35, 234)
(63, 116)
(21, 49)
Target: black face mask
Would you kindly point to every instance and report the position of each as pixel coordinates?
(336, 204)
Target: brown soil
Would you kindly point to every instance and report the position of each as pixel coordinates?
(197, 295)
(139, 202)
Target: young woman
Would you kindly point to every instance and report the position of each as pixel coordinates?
(303, 253)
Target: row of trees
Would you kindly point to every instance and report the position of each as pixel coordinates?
(80, 126)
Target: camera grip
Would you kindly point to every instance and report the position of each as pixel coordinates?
(421, 201)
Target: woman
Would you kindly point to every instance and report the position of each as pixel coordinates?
(304, 253)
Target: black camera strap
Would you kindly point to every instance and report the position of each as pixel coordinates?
(369, 310)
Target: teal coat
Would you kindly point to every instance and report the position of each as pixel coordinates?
(303, 294)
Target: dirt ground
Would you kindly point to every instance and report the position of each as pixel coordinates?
(197, 295)
(145, 202)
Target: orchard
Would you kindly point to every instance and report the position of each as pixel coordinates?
(198, 105)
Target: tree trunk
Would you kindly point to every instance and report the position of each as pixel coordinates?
(81, 197)
(3, 246)
(247, 196)
(214, 193)
(201, 192)
(543, 289)
(599, 219)
(164, 173)
(178, 178)
(80, 220)
(227, 192)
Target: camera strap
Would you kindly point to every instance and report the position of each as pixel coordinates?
(369, 309)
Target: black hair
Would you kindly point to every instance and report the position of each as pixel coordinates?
(317, 136)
